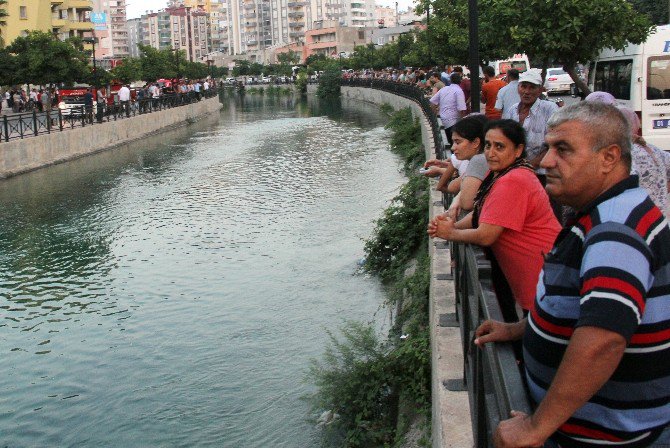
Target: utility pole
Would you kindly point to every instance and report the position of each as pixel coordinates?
(473, 53)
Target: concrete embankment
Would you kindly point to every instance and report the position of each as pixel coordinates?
(451, 424)
(20, 156)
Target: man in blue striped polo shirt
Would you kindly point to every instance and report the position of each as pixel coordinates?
(597, 343)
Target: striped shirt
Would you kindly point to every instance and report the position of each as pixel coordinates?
(610, 269)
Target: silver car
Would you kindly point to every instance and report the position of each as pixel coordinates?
(557, 81)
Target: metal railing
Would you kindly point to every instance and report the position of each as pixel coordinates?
(492, 374)
(407, 91)
(31, 124)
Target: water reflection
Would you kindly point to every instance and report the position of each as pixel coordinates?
(170, 293)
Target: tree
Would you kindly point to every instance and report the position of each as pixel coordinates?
(289, 58)
(567, 31)
(128, 70)
(41, 58)
(7, 68)
(656, 10)
(157, 64)
(241, 68)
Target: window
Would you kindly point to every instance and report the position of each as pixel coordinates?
(23, 12)
(361, 35)
(658, 78)
(614, 77)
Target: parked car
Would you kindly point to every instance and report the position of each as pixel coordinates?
(558, 81)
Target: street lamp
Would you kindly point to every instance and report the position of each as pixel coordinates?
(92, 40)
(209, 66)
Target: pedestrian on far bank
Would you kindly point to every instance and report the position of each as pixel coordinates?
(124, 99)
(45, 99)
(101, 100)
(88, 105)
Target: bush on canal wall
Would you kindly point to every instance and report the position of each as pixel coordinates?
(375, 388)
(329, 82)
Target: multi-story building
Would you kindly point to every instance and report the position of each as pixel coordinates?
(189, 31)
(136, 33)
(70, 18)
(109, 20)
(23, 17)
(158, 29)
(65, 18)
(180, 27)
(330, 39)
(386, 17)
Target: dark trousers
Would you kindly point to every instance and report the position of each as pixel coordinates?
(448, 131)
(125, 105)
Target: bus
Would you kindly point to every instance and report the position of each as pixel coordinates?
(639, 78)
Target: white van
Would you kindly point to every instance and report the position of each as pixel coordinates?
(518, 61)
(639, 78)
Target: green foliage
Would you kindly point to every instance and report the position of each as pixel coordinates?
(128, 70)
(157, 64)
(656, 10)
(362, 380)
(329, 83)
(406, 139)
(41, 58)
(400, 232)
(561, 31)
(291, 57)
(301, 81)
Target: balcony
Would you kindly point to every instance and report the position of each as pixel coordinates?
(296, 24)
(250, 5)
(58, 23)
(251, 15)
(296, 4)
(79, 4)
(333, 5)
(56, 2)
(79, 26)
(296, 34)
(252, 43)
(296, 14)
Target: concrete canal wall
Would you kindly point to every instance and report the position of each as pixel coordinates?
(20, 156)
(451, 424)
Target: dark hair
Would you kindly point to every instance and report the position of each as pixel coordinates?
(458, 69)
(512, 73)
(510, 129)
(471, 127)
(435, 75)
(455, 78)
(488, 70)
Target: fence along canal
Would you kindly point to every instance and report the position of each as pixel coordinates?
(31, 124)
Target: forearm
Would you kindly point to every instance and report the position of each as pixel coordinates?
(465, 223)
(591, 358)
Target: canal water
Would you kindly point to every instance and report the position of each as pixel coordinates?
(172, 292)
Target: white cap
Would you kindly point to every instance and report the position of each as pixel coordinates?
(533, 76)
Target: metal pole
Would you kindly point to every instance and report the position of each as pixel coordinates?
(95, 68)
(473, 22)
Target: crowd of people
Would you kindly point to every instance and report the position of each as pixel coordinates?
(570, 205)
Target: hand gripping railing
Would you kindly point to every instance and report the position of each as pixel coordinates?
(491, 374)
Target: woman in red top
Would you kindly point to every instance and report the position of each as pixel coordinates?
(512, 215)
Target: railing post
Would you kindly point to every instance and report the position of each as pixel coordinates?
(35, 122)
(5, 126)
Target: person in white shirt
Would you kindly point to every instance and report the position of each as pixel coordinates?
(124, 99)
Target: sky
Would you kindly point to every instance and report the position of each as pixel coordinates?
(136, 8)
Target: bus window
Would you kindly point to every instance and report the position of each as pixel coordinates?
(658, 78)
(614, 77)
(519, 65)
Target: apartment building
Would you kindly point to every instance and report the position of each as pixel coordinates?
(65, 18)
(136, 33)
(109, 21)
(189, 31)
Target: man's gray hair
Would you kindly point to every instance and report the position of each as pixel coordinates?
(607, 124)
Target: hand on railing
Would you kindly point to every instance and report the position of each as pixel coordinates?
(494, 331)
(517, 432)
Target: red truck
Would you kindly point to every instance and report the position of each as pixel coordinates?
(71, 100)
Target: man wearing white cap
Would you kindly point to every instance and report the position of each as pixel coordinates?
(533, 114)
